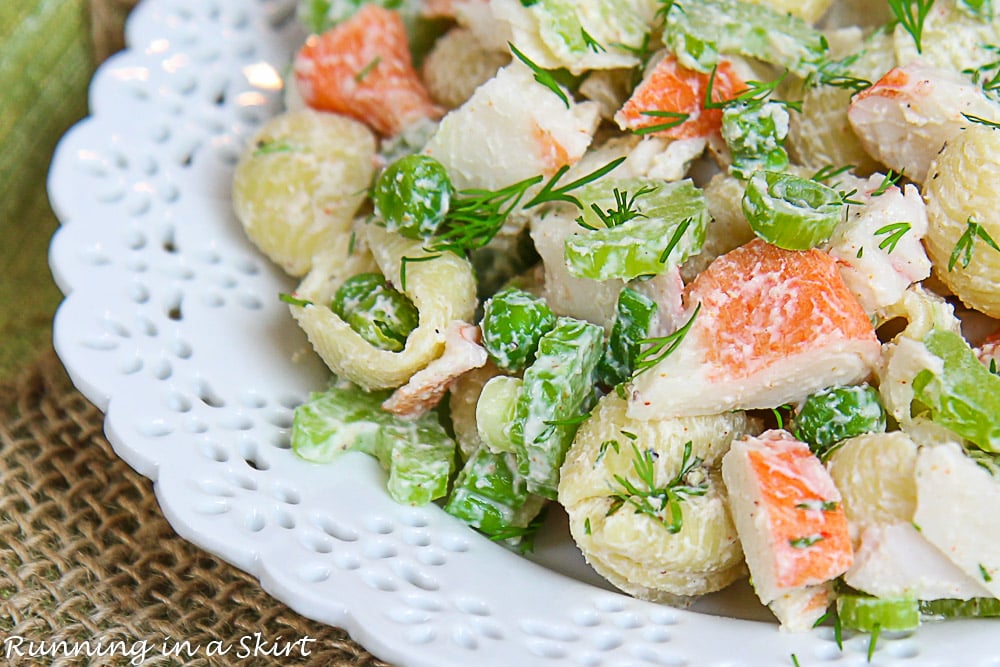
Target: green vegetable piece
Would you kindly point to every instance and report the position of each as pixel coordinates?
(381, 315)
(837, 413)
(412, 196)
(948, 608)
(698, 32)
(791, 212)
(754, 133)
(495, 412)
(870, 614)
(491, 496)
(513, 322)
(641, 236)
(964, 397)
(633, 319)
(556, 392)
(561, 25)
(418, 455)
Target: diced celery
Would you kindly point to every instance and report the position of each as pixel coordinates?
(490, 495)
(791, 212)
(556, 391)
(948, 608)
(646, 217)
(419, 455)
(572, 28)
(965, 396)
(633, 318)
(698, 32)
(866, 614)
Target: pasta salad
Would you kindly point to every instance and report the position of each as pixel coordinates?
(717, 277)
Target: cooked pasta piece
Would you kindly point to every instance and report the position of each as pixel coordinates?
(457, 65)
(639, 545)
(442, 287)
(963, 209)
(299, 183)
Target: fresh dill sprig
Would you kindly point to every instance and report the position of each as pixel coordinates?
(665, 7)
(661, 348)
(476, 216)
(271, 147)
(551, 424)
(294, 300)
(591, 43)
(966, 244)
(675, 239)
(542, 76)
(623, 211)
(408, 260)
(659, 502)
(890, 179)
(873, 640)
(676, 118)
(805, 542)
(824, 174)
(777, 414)
(911, 14)
(836, 73)
(757, 92)
(981, 121)
(525, 535)
(367, 69)
(895, 232)
(987, 76)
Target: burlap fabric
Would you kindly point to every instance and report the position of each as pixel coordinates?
(86, 556)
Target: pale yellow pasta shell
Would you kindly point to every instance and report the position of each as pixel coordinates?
(875, 476)
(962, 186)
(950, 38)
(443, 289)
(457, 65)
(299, 183)
(633, 550)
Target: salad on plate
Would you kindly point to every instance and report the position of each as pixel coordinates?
(720, 278)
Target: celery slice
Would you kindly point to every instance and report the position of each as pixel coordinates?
(698, 32)
(791, 212)
(419, 455)
(647, 226)
(868, 614)
(965, 396)
(948, 608)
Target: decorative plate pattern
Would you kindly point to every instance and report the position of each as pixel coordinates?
(172, 326)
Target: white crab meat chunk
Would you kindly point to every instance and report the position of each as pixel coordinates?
(908, 115)
(880, 247)
(766, 327)
(791, 523)
(462, 353)
(511, 129)
(896, 561)
(970, 536)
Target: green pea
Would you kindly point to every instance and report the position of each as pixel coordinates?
(380, 314)
(412, 196)
(837, 413)
(513, 323)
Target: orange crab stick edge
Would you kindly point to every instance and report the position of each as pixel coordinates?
(788, 514)
(362, 68)
(672, 88)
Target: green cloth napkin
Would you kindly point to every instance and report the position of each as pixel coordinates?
(46, 64)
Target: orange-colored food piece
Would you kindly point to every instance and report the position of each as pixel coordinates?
(810, 541)
(764, 304)
(890, 85)
(362, 68)
(674, 88)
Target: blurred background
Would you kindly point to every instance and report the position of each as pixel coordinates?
(49, 50)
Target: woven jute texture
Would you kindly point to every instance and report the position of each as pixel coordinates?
(87, 558)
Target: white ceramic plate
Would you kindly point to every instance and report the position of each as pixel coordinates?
(172, 326)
